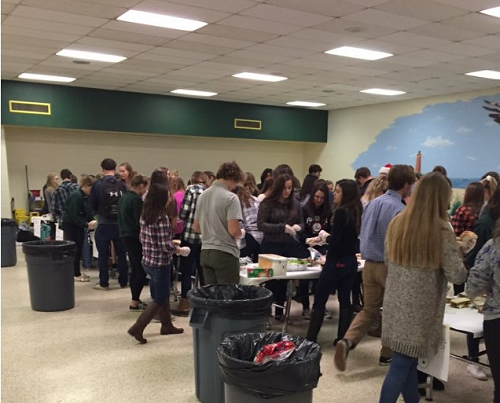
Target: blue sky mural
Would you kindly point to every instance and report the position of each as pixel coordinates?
(460, 135)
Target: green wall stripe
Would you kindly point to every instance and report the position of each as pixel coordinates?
(119, 111)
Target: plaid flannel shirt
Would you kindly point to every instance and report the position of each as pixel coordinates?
(156, 240)
(60, 196)
(187, 211)
(463, 219)
(250, 219)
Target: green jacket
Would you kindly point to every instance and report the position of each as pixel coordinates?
(483, 228)
(129, 213)
(77, 210)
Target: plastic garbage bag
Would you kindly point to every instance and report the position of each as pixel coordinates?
(298, 373)
(232, 300)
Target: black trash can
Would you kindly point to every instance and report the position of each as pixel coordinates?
(219, 311)
(9, 233)
(289, 381)
(51, 274)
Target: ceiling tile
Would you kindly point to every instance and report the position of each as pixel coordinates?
(331, 8)
(306, 45)
(409, 39)
(475, 22)
(285, 15)
(181, 10)
(241, 34)
(450, 33)
(394, 48)
(384, 19)
(460, 48)
(42, 25)
(331, 38)
(272, 27)
(355, 28)
(145, 65)
(131, 28)
(129, 37)
(216, 40)
(238, 61)
(57, 16)
(105, 43)
(432, 55)
(184, 55)
(232, 6)
(202, 48)
(270, 58)
(121, 3)
(279, 50)
(21, 41)
(422, 9)
(475, 5)
(7, 8)
(38, 34)
(490, 41)
(80, 7)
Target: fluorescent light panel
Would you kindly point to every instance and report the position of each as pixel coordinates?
(46, 77)
(100, 57)
(494, 12)
(491, 74)
(194, 93)
(380, 91)
(161, 20)
(260, 77)
(305, 103)
(358, 53)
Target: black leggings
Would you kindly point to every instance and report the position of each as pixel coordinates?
(75, 234)
(491, 336)
(137, 273)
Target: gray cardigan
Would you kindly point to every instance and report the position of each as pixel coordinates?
(414, 301)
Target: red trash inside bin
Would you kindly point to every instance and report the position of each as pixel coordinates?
(275, 352)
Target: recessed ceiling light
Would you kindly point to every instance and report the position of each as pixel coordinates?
(259, 77)
(46, 77)
(80, 54)
(380, 91)
(494, 12)
(358, 53)
(194, 93)
(491, 74)
(161, 20)
(305, 103)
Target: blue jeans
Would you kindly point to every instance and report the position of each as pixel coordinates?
(159, 283)
(104, 235)
(401, 379)
(86, 251)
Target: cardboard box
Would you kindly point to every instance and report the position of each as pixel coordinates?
(259, 272)
(275, 262)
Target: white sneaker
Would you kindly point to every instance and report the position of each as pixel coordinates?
(476, 372)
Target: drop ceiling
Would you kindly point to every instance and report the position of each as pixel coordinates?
(434, 42)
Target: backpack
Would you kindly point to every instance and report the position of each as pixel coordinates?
(112, 192)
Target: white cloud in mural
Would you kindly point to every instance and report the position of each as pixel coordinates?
(471, 158)
(437, 118)
(390, 148)
(490, 123)
(463, 130)
(437, 141)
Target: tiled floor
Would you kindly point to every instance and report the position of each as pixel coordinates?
(85, 354)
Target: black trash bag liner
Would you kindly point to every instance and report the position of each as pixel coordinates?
(232, 300)
(296, 374)
(26, 236)
(54, 249)
(7, 222)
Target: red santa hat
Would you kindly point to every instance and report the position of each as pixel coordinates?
(385, 169)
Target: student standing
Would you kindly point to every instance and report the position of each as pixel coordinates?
(422, 256)
(76, 218)
(158, 249)
(129, 213)
(217, 218)
(341, 263)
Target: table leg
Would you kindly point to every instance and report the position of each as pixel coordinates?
(289, 290)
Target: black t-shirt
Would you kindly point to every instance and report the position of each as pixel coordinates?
(343, 239)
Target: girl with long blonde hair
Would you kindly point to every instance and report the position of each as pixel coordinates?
(422, 255)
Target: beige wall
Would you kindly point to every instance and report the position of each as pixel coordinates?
(352, 131)
(6, 208)
(47, 150)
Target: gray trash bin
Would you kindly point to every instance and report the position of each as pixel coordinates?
(9, 233)
(217, 312)
(290, 380)
(51, 274)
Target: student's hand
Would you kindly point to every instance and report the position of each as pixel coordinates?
(183, 251)
(466, 247)
(323, 235)
(290, 231)
(242, 234)
(92, 225)
(297, 228)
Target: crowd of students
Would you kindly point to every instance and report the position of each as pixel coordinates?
(399, 221)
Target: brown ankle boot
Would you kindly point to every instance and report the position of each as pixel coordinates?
(142, 321)
(182, 309)
(166, 321)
